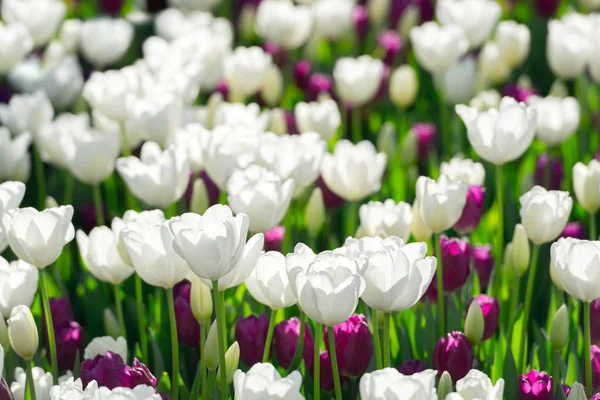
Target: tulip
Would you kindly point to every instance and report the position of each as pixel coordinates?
(595, 397)
(403, 86)
(411, 367)
(17, 44)
(238, 115)
(388, 383)
(557, 118)
(326, 378)
(212, 347)
(55, 139)
(514, 41)
(5, 390)
(575, 230)
(595, 356)
(387, 141)
(559, 333)
(505, 144)
(40, 18)
(134, 221)
(111, 323)
(61, 312)
(473, 210)
(391, 43)
(463, 170)
(18, 285)
(566, 49)
(264, 382)
(251, 334)
(232, 359)
(520, 252)
(101, 345)
(42, 383)
(158, 178)
(548, 172)
(353, 345)
(357, 80)
(493, 65)
(333, 18)
(274, 238)
(100, 49)
(477, 385)
(490, 308)
(110, 370)
(106, 92)
(544, 214)
(457, 83)
(16, 161)
(4, 340)
(434, 196)
(575, 267)
(315, 212)
(586, 183)
(245, 70)
(268, 283)
(69, 344)
(188, 328)
(483, 263)
(455, 256)
(26, 113)
(284, 23)
(535, 386)
(485, 100)
(519, 92)
(319, 84)
(22, 332)
(476, 19)
(200, 301)
(419, 230)
(285, 342)
(70, 388)
(385, 219)
(302, 71)
(437, 47)
(454, 354)
(474, 323)
(322, 117)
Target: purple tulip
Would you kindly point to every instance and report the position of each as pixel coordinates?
(87, 213)
(326, 372)
(384, 83)
(410, 367)
(290, 122)
(595, 397)
(211, 188)
(595, 353)
(398, 7)
(360, 17)
(456, 258)
(274, 238)
(285, 341)
(317, 84)
(426, 139)
(353, 345)
(69, 341)
(535, 386)
(251, 335)
(391, 43)
(278, 53)
(154, 6)
(483, 262)
(6, 92)
(330, 199)
(112, 7)
(575, 230)
(472, 211)
(110, 371)
(61, 311)
(595, 321)
(491, 314)
(5, 393)
(188, 329)
(566, 389)
(549, 172)
(518, 92)
(302, 74)
(546, 8)
(454, 354)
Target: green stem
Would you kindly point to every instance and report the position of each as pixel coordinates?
(444, 126)
(587, 344)
(139, 299)
(212, 377)
(69, 184)
(299, 346)
(202, 372)
(356, 125)
(49, 326)
(556, 370)
(98, 205)
(376, 341)
(593, 234)
(334, 363)
(528, 297)
(224, 316)
(221, 334)
(174, 345)
(500, 230)
(386, 340)
(351, 218)
(440, 287)
(30, 382)
(512, 311)
(120, 316)
(317, 362)
(267, 350)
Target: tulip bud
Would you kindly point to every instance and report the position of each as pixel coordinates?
(456, 258)
(559, 333)
(214, 101)
(274, 238)
(50, 202)
(595, 397)
(315, 212)
(426, 139)
(361, 21)
(410, 18)
(409, 149)
(404, 86)
(445, 385)
(4, 342)
(246, 22)
(232, 360)
(201, 301)
(549, 172)
(377, 11)
(278, 123)
(285, 341)
(199, 202)
(483, 262)
(111, 324)
(22, 332)
(490, 309)
(410, 367)
(520, 252)
(302, 73)
(453, 353)
(474, 323)
(251, 334)
(353, 345)
(212, 347)
(387, 142)
(594, 322)
(535, 385)
(472, 211)
(575, 230)
(559, 89)
(577, 392)
(272, 86)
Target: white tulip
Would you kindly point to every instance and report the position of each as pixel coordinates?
(577, 267)
(296, 157)
(135, 221)
(26, 112)
(194, 138)
(15, 44)
(485, 100)
(38, 237)
(22, 332)
(557, 118)
(260, 194)
(567, 49)
(107, 91)
(159, 178)
(403, 86)
(440, 202)
(333, 18)
(476, 385)
(385, 219)
(458, 82)
(321, 117)
(586, 185)
(357, 80)
(63, 82)
(263, 382)
(99, 346)
(14, 154)
(278, 123)
(239, 115)
(94, 155)
(419, 230)
(18, 285)
(273, 85)
(493, 64)
(513, 41)
(104, 41)
(42, 383)
(464, 170)
(389, 384)
(194, 5)
(284, 23)
(477, 19)
(500, 135)
(73, 390)
(55, 139)
(101, 256)
(544, 213)
(315, 215)
(594, 59)
(69, 35)
(378, 11)
(353, 171)
(41, 18)
(246, 69)
(155, 117)
(438, 48)
(70, 389)
(269, 284)
(171, 24)
(11, 195)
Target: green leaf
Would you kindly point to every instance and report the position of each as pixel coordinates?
(573, 370)
(183, 391)
(516, 338)
(430, 334)
(164, 384)
(510, 375)
(498, 366)
(159, 364)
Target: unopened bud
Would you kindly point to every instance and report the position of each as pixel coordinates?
(520, 252)
(212, 347)
(272, 86)
(232, 360)
(201, 301)
(409, 149)
(199, 202)
(111, 324)
(246, 22)
(50, 202)
(409, 19)
(23, 333)
(315, 212)
(577, 392)
(559, 333)
(474, 323)
(559, 89)
(278, 123)
(403, 86)
(445, 385)
(378, 11)
(387, 142)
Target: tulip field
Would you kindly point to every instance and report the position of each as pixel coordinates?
(299, 199)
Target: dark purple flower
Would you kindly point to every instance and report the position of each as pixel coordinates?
(491, 314)
(251, 335)
(518, 92)
(302, 73)
(384, 85)
(391, 42)
(353, 345)
(326, 372)
(211, 188)
(87, 213)
(410, 367)
(595, 353)
(69, 341)
(546, 8)
(6, 92)
(426, 138)
(330, 199)
(111, 6)
(317, 84)
(278, 53)
(575, 230)
(566, 389)
(360, 17)
(155, 6)
(398, 7)
(5, 393)
(454, 354)
(188, 329)
(456, 258)
(110, 371)
(595, 321)
(290, 122)
(61, 311)
(483, 262)
(549, 172)
(285, 340)
(535, 386)
(274, 238)
(472, 211)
